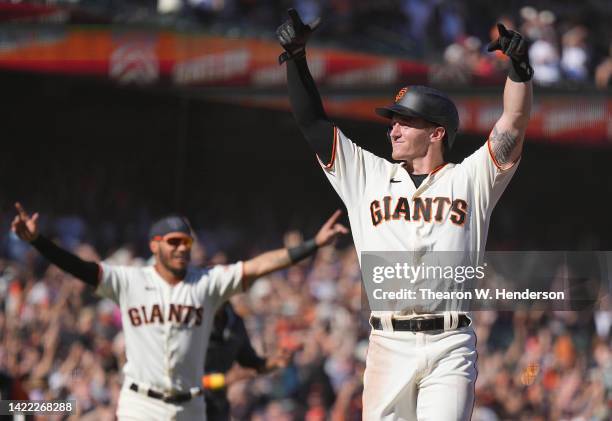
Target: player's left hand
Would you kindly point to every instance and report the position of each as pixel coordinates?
(330, 230)
(510, 42)
(293, 35)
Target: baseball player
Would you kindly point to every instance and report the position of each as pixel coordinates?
(229, 343)
(167, 310)
(420, 366)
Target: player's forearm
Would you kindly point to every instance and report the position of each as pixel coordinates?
(308, 108)
(266, 263)
(303, 93)
(274, 260)
(518, 97)
(248, 358)
(88, 272)
(509, 132)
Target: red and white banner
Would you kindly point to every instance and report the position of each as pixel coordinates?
(554, 118)
(190, 60)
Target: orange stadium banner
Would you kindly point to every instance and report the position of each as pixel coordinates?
(185, 59)
(579, 120)
(196, 60)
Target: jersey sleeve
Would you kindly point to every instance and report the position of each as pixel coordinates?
(487, 176)
(224, 281)
(113, 281)
(350, 168)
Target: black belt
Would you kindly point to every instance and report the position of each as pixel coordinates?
(420, 325)
(177, 398)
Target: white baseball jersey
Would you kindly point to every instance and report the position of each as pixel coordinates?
(449, 211)
(167, 327)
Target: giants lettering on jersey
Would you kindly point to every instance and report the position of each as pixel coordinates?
(428, 209)
(179, 313)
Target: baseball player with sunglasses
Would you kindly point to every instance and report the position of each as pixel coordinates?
(420, 365)
(168, 309)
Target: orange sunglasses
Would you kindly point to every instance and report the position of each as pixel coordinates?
(175, 241)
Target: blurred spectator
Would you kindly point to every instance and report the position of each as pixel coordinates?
(464, 62)
(603, 72)
(309, 10)
(543, 53)
(454, 70)
(574, 54)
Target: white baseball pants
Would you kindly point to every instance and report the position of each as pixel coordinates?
(414, 376)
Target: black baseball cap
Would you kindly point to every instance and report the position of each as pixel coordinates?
(168, 224)
(427, 103)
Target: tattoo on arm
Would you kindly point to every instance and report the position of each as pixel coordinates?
(502, 144)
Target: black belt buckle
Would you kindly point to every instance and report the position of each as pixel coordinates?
(178, 398)
(170, 399)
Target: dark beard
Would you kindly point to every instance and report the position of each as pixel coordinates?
(178, 273)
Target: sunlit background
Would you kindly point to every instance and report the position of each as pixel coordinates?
(116, 112)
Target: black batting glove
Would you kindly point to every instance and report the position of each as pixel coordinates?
(512, 44)
(293, 35)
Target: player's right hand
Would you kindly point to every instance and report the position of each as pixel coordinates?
(330, 230)
(24, 226)
(511, 43)
(293, 35)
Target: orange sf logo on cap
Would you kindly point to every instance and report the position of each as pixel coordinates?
(401, 94)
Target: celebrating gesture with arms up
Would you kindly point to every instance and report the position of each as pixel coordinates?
(421, 364)
(509, 132)
(168, 309)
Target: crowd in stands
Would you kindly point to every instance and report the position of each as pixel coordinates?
(561, 53)
(569, 44)
(60, 341)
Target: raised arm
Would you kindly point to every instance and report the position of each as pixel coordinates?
(508, 134)
(26, 228)
(282, 258)
(303, 93)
